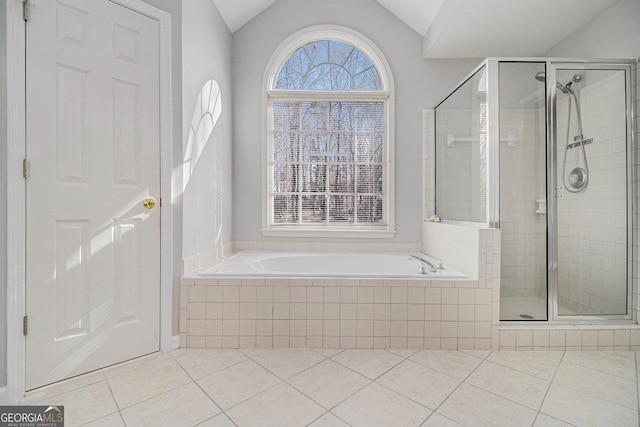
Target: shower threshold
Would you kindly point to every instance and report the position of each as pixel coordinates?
(623, 335)
(523, 309)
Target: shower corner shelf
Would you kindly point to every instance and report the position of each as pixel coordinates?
(542, 206)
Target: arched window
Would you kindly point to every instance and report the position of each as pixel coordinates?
(329, 165)
(328, 65)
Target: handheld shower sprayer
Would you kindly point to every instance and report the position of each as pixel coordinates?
(541, 76)
(578, 178)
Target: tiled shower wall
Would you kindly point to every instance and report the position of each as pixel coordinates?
(592, 225)
(462, 154)
(522, 222)
(463, 183)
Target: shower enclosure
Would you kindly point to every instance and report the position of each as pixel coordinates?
(543, 150)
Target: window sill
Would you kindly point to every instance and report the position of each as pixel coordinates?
(330, 232)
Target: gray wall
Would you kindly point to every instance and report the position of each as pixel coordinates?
(3, 197)
(206, 49)
(615, 33)
(419, 84)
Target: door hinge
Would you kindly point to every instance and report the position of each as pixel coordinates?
(25, 325)
(25, 168)
(25, 10)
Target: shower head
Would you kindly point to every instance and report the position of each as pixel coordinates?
(541, 76)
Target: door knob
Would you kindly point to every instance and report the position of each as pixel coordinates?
(149, 203)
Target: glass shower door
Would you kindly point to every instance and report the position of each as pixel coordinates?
(523, 182)
(591, 190)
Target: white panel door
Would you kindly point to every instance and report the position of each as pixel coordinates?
(93, 249)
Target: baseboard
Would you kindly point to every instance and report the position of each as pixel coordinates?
(4, 396)
(171, 344)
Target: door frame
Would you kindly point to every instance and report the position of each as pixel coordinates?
(16, 191)
(551, 67)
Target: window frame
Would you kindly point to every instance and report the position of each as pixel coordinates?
(386, 95)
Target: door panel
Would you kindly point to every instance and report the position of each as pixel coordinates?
(591, 202)
(93, 249)
(523, 221)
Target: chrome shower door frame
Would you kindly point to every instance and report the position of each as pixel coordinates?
(553, 186)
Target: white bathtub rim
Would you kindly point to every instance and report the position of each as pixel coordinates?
(441, 274)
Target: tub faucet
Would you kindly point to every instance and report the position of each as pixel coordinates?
(425, 263)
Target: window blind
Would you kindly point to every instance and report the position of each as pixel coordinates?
(327, 162)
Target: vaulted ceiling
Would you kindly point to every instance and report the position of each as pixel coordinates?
(468, 28)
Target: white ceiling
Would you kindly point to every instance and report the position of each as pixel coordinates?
(236, 13)
(468, 28)
(464, 28)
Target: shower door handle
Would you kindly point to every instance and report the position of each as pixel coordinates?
(559, 191)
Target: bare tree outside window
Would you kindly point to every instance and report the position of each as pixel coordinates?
(328, 154)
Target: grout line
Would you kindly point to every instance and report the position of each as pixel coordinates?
(154, 396)
(177, 360)
(408, 398)
(563, 360)
(208, 397)
(215, 416)
(124, 423)
(551, 382)
(601, 371)
(317, 418)
(372, 350)
(101, 418)
(337, 404)
(113, 396)
(461, 381)
(281, 381)
(324, 355)
(297, 373)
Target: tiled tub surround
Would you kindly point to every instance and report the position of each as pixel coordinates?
(452, 314)
(470, 249)
(338, 313)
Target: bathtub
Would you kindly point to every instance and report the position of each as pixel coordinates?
(258, 299)
(326, 265)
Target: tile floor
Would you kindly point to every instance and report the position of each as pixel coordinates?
(211, 388)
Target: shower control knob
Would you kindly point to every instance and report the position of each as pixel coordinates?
(578, 178)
